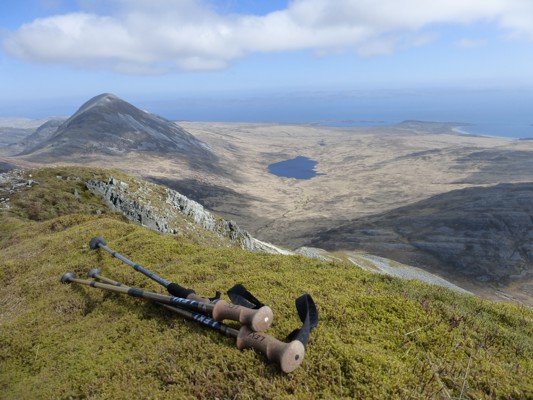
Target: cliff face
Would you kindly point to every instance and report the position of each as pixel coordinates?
(158, 209)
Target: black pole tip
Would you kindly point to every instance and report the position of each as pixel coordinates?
(67, 277)
(93, 272)
(96, 242)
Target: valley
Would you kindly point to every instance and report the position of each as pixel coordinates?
(371, 182)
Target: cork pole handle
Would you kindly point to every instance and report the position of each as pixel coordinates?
(257, 319)
(288, 356)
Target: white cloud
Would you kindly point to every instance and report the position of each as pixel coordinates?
(466, 43)
(137, 36)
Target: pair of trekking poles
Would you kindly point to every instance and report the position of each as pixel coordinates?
(253, 315)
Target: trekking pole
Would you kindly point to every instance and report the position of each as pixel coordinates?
(238, 293)
(173, 288)
(258, 320)
(287, 355)
(95, 273)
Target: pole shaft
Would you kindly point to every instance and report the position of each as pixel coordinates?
(189, 304)
(204, 320)
(173, 288)
(135, 266)
(109, 281)
(258, 320)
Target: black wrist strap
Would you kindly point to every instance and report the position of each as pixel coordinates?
(308, 315)
(215, 298)
(240, 296)
(304, 305)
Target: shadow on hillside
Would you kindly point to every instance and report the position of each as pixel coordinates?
(5, 167)
(484, 234)
(497, 165)
(225, 202)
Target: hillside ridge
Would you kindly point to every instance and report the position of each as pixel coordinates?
(162, 209)
(369, 171)
(483, 234)
(378, 336)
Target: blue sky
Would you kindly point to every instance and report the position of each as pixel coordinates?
(186, 59)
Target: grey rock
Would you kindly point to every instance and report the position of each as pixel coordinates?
(388, 267)
(11, 182)
(313, 252)
(136, 206)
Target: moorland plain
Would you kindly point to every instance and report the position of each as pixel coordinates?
(361, 172)
(364, 171)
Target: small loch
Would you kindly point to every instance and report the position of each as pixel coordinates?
(298, 168)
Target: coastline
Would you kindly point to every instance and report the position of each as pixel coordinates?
(460, 130)
(519, 129)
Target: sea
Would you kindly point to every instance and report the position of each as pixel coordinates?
(511, 129)
(483, 112)
(489, 112)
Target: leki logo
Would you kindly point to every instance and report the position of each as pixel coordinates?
(256, 336)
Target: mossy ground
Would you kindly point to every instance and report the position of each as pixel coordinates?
(378, 337)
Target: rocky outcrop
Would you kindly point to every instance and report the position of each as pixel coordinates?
(313, 252)
(161, 209)
(388, 267)
(10, 183)
(135, 205)
(208, 221)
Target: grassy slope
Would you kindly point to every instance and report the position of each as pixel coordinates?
(378, 337)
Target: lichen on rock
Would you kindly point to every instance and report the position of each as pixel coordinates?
(158, 213)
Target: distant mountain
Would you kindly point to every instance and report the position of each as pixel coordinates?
(11, 135)
(108, 125)
(14, 132)
(40, 135)
(482, 233)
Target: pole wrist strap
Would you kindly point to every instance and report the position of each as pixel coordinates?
(240, 296)
(308, 315)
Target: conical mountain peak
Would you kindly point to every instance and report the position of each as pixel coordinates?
(110, 125)
(102, 100)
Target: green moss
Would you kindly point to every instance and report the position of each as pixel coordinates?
(378, 337)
